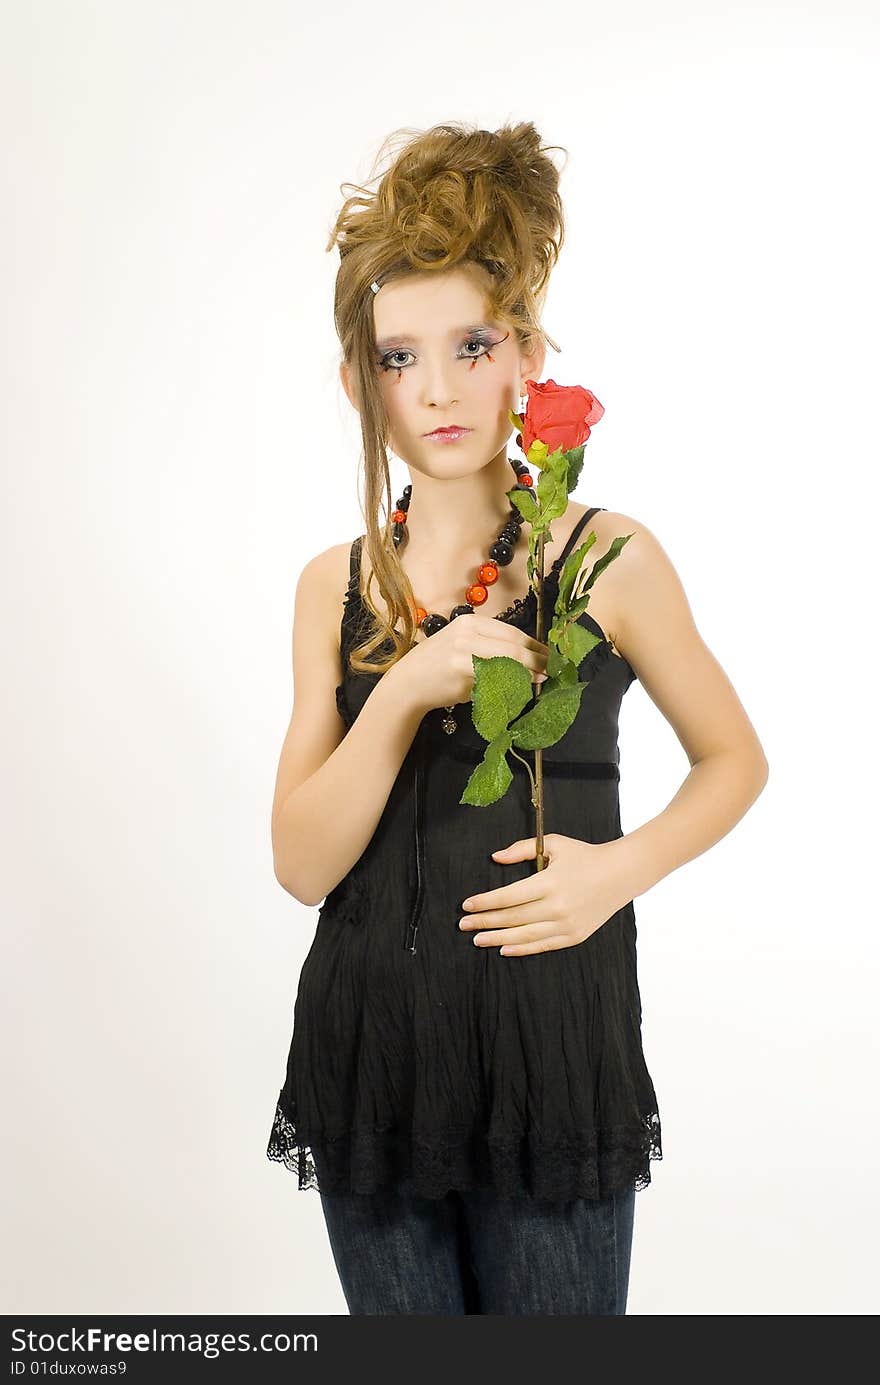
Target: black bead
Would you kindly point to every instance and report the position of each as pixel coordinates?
(501, 552)
(398, 534)
(464, 610)
(431, 624)
(407, 490)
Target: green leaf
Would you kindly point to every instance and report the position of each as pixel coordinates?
(553, 486)
(575, 643)
(601, 564)
(548, 720)
(570, 569)
(525, 502)
(573, 640)
(560, 671)
(502, 687)
(575, 457)
(492, 777)
(537, 453)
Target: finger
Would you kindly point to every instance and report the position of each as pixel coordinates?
(507, 896)
(527, 913)
(509, 634)
(525, 934)
(526, 849)
(487, 647)
(525, 949)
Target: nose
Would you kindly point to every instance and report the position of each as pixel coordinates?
(438, 392)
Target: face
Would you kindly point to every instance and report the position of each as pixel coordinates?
(441, 362)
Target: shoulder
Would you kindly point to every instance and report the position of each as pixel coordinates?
(657, 633)
(321, 588)
(641, 556)
(607, 593)
(640, 585)
(648, 612)
(328, 571)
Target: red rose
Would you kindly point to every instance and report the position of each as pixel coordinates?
(558, 415)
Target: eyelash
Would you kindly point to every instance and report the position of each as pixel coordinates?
(480, 338)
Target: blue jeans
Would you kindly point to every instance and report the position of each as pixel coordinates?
(473, 1252)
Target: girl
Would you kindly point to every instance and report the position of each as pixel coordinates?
(466, 1086)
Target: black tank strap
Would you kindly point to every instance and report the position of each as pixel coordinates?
(573, 536)
(354, 562)
(352, 600)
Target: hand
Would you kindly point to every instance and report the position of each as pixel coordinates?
(440, 668)
(559, 906)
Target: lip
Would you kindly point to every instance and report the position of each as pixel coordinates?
(448, 434)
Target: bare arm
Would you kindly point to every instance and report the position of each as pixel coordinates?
(655, 630)
(717, 792)
(332, 787)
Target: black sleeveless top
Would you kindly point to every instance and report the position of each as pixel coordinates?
(416, 1054)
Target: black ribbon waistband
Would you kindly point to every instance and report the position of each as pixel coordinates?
(560, 769)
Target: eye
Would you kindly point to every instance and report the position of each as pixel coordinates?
(479, 341)
(482, 340)
(388, 363)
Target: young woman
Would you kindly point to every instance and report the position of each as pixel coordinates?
(466, 1086)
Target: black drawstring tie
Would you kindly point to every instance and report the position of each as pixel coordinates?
(419, 825)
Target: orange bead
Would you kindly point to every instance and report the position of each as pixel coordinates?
(398, 516)
(421, 614)
(476, 595)
(488, 573)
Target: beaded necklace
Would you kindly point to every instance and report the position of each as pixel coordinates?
(477, 592)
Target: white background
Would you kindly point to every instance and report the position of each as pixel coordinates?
(177, 445)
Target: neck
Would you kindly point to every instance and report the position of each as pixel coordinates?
(453, 519)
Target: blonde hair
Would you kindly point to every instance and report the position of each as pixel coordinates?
(452, 195)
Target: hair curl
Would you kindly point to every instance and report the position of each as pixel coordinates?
(451, 195)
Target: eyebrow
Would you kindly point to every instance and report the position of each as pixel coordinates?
(405, 340)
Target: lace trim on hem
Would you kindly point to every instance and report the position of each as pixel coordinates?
(606, 1160)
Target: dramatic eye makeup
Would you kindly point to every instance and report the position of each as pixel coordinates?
(484, 337)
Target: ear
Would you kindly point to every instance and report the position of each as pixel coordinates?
(532, 362)
(348, 385)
